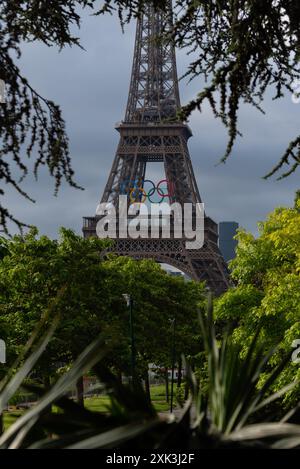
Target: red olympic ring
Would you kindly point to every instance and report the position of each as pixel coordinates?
(170, 188)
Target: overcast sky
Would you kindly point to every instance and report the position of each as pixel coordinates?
(92, 87)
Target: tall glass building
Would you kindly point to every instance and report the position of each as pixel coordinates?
(227, 243)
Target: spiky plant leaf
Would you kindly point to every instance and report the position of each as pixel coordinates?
(89, 357)
(13, 385)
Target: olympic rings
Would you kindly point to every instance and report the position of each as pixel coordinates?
(137, 193)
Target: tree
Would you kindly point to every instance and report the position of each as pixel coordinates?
(226, 415)
(157, 299)
(242, 48)
(36, 272)
(27, 119)
(86, 292)
(267, 296)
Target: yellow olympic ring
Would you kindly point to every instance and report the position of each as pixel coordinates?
(141, 191)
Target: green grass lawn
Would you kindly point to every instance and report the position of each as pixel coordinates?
(101, 403)
(158, 398)
(10, 417)
(97, 404)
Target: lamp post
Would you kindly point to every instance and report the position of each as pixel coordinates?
(2, 351)
(173, 362)
(129, 302)
(2, 92)
(2, 360)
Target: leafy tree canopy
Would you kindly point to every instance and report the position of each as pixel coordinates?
(38, 272)
(267, 296)
(87, 292)
(158, 298)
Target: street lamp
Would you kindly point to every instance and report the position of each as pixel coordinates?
(2, 351)
(2, 92)
(2, 360)
(129, 302)
(173, 362)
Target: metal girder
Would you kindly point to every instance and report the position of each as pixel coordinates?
(149, 133)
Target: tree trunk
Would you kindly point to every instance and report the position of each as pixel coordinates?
(47, 382)
(179, 375)
(80, 391)
(47, 385)
(167, 385)
(186, 391)
(119, 376)
(147, 386)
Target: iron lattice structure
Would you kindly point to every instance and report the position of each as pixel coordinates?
(151, 133)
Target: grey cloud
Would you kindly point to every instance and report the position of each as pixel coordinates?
(92, 86)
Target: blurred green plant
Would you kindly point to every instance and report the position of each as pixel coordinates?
(267, 295)
(35, 268)
(225, 415)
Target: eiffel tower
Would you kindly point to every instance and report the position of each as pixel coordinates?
(150, 133)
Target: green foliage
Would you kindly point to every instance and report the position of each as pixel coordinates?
(235, 304)
(86, 291)
(103, 403)
(22, 397)
(157, 299)
(3, 247)
(267, 296)
(180, 392)
(28, 120)
(297, 198)
(38, 271)
(219, 420)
